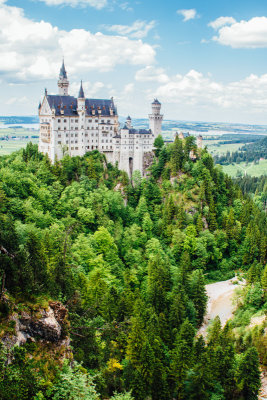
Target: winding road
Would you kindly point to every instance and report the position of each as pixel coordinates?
(220, 303)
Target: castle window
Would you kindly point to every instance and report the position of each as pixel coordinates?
(76, 148)
(96, 120)
(58, 120)
(86, 134)
(76, 134)
(102, 121)
(72, 148)
(90, 120)
(76, 128)
(71, 120)
(65, 120)
(76, 120)
(59, 142)
(59, 135)
(76, 141)
(67, 134)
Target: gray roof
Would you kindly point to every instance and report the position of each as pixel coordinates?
(69, 105)
(63, 73)
(140, 131)
(156, 101)
(128, 118)
(81, 92)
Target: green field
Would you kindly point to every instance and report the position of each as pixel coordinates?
(8, 146)
(250, 169)
(18, 132)
(215, 147)
(22, 137)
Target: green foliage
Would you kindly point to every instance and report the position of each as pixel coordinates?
(73, 384)
(129, 260)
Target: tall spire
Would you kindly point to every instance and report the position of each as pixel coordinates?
(81, 92)
(63, 83)
(63, 73)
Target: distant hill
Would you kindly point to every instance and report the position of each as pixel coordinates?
(14, 119)
(259, 148)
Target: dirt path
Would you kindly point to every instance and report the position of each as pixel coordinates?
(220, 296)
(220, 303)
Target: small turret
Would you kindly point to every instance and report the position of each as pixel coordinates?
(63, 83)
(128, 122)
(81, 99)
(81, 92)
(199, 141)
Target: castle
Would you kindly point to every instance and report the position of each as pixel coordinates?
(74, 126)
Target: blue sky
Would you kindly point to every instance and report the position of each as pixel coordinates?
(204, 60)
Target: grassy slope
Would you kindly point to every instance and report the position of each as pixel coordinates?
(251, 168)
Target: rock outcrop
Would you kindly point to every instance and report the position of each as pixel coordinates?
(47, 325)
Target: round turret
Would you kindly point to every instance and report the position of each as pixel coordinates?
(156, 106)
(155, 119)
(128, 122)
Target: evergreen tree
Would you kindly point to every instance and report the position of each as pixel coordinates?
(248, 375)
(177, 156)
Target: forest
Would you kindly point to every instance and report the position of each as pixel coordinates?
(125, 262)
(248, 153)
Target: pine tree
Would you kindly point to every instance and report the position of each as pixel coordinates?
(198, 294)
(249, 375)
(177, 156)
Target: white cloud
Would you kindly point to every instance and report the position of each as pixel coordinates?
(151, 74)
(129, 88)
(195, 89)
(243, 34)
(188, 14)
(14, 100)
(98, 4)
(126, 6)
(221, 21)
(90, 89)
(32, 50)
(138, 30)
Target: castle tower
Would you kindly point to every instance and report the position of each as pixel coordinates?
(155, 119)
(199, 141)
(129, 122)
(63, 83)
